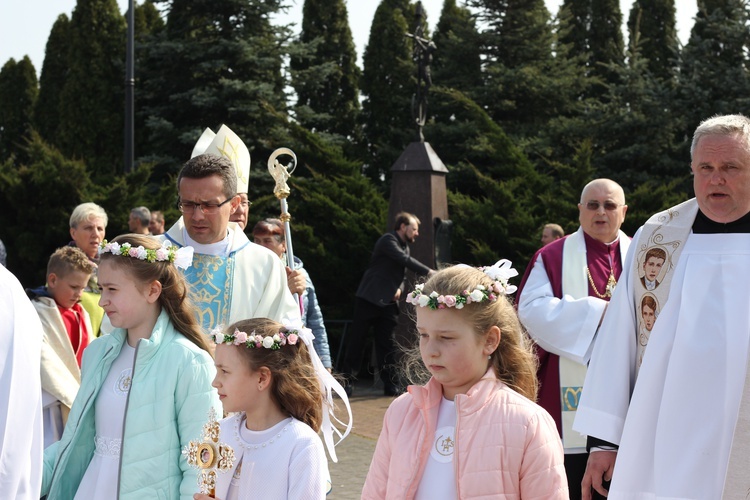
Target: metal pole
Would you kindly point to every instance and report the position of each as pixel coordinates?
(130, 90)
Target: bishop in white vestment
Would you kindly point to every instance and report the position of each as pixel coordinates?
(231, 278)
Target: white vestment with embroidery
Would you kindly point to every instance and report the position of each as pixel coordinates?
(675, 423)
(246, 281)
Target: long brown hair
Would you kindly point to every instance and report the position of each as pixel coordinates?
(294, 385)
(174, 296)
(513, 361)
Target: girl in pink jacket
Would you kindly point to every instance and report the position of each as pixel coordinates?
(473, 430)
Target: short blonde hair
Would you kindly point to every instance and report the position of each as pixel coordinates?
(69, 259)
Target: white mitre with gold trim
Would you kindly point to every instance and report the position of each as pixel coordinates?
(226, 143)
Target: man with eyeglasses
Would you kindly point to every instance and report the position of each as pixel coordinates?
(231, 277)
(226, 143)
(561, 302)
(675, 400)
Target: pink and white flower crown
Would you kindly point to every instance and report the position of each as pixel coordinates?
(253, 341)
(291, 333)
(500, 273)
(182, 257)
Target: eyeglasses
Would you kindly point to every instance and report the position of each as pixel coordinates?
(246, 204)
(609, 206)
(188, 207)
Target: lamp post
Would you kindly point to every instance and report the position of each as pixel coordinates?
(129, 90)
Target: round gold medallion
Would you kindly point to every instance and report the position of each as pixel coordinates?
(206, 456)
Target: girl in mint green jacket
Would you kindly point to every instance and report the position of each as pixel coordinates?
(145, 388)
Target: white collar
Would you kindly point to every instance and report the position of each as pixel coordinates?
(220, 248)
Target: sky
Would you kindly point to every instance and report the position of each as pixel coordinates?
(25, 24)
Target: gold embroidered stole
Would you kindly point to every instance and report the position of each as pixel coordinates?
(659, 246)
(572, 374)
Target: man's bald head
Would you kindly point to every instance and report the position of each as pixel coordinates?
(602, 209)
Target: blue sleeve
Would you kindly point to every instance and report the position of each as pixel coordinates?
(194, 396)
(314, 321)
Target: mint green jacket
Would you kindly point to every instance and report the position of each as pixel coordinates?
(169, 400)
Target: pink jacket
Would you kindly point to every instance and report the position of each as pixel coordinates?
(506, 446)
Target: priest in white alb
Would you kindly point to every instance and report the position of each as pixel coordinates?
(675, 398)
(21, 436)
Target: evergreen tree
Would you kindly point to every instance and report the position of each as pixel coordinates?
(45, 190)
(148, 21)
(575, 19)
(18, 93)
(388, 83)
(52, 80)
(605, 42)
(457, 60)
(493, 194)
(456, 70)
(653, 35)
(713, 75)
(215, 62)
(92, 99)
(592, 30)
(148, 25)
(523, 89)
(325, 74)
(635, 130)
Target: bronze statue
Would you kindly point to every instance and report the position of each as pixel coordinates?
(422, 57)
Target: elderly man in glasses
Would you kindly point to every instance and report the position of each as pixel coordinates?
(561, 302)
(232, 278)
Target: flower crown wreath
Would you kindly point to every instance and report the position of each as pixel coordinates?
(182, 257)
(253, 341)
(291, 334)
(500, 273)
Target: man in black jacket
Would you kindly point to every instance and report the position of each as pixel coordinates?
(377, 301)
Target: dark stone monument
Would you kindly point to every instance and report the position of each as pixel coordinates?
(418, 176)
(418, 184)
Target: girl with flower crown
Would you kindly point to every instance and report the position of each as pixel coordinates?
(271, 376)
(473, 430)
(145, 388)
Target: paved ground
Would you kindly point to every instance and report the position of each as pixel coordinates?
(355, 452)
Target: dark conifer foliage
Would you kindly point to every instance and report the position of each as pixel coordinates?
(325, 74)
(52, 80)
(388, 83)
(653, 35)
(457, 61)
(592, 30)
(714, 64)
(522, 85)
(91, 112)
(18, 93)
(214, 63)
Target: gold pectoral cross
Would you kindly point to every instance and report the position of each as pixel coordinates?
(209, 455)
(611, 284)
